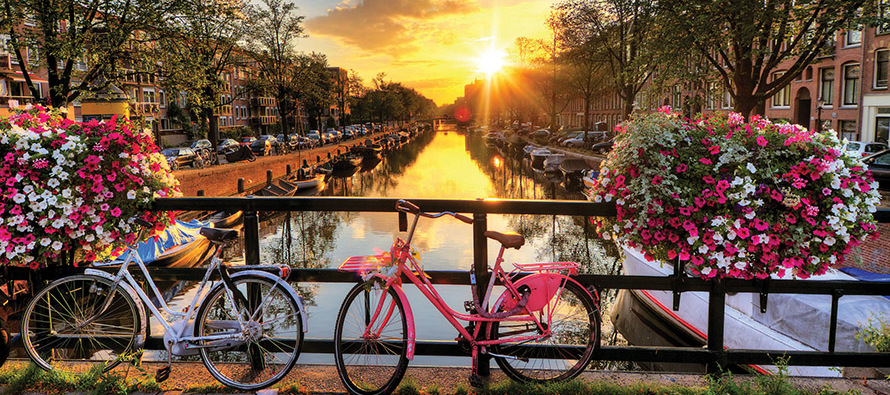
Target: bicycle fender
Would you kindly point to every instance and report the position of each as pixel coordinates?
(544, 287)
(409, 316)
(140, 306)
(285, 285)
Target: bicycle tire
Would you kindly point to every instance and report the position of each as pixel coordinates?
(576, 322)
(55, 337)
(275, 337)
(370, 366)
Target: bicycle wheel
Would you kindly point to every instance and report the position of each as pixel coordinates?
(273, 338)
(575, 326)
(65, 329)
(372, 363)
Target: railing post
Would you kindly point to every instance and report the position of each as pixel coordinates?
(240, 185)
(480, 270)
(268, 177)
(716, 317)
(251, 236)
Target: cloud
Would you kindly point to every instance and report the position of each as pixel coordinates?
(383, 25)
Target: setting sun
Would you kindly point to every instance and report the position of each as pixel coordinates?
(491, 61)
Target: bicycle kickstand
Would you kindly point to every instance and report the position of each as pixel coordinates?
(164, 373)
(476, 380)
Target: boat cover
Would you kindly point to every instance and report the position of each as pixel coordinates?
(174, 236)
(791, 321)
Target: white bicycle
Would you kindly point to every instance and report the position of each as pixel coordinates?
(247, 326)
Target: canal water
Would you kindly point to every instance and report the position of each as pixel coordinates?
(440, 164)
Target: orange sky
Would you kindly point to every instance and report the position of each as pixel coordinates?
(429, 45)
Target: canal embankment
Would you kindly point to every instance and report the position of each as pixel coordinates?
(222, 179)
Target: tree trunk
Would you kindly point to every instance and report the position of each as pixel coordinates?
(628, 102)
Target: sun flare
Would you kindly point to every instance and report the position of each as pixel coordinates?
(491, 61)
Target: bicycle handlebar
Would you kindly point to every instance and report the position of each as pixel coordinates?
(408, 207)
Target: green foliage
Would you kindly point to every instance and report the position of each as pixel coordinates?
(93, 382)
(235, 132)
(876, 332)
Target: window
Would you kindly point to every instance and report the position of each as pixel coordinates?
(162, 99)
(851, 85)
(782, 98)
(881, 63)
(148, 96)
(883, 12)
(882, 129)
(809, 73)
(853, 37)
(727, 100)
(848, 130)
(826, 85)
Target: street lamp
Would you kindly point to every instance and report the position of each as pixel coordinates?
(819, 103)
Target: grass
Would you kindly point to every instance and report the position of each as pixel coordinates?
(93, 382)
(34, 379)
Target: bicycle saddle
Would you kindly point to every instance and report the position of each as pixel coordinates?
(508, 239)
(219, 235)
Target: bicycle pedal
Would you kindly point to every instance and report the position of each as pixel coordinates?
(163, 374)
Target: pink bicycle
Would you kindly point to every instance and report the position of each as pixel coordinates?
(544, 327)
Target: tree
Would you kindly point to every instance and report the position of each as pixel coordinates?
(83, 46)
(584, 54)
(313, 86)
(624, 28)
(745, 41)
(274, 30)
(199, 44)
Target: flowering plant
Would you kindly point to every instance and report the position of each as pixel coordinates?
(75, 185)
(734, 198)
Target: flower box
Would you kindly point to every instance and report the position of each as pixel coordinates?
(735, 198)
(75, 186)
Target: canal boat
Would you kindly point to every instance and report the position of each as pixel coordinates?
(572, 170)
(283, 188)
(792, 322)
(224, 219)
(538, 157)
(552, 162)
(346, 162)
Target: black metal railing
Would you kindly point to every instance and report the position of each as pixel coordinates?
(714, 355)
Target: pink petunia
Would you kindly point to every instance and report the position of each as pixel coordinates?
(762, 141)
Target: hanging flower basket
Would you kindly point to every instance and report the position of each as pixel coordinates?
(75, 186)
(733, 198)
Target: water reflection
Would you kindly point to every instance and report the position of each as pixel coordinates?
(433, 165)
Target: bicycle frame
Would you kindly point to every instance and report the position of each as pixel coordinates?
(126, 280)
(549, 282)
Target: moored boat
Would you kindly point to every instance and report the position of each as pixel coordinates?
(572, 170)
(538, 157)
(552, 162)
(792, 322)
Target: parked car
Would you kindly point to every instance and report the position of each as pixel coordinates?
(261, 147)
(578, 139)
(227, 145)
(861, 149)
(183, 156)
(203, 145)
(315, 139)
(246, 140)
(604, 147)
(206, 149)
(879, 166)
(273, 142)
(540, 133)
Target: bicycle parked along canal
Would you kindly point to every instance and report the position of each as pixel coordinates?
(544, 327)
(247, 327)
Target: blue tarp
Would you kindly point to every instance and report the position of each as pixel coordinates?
(865, 275)
(181, 233)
